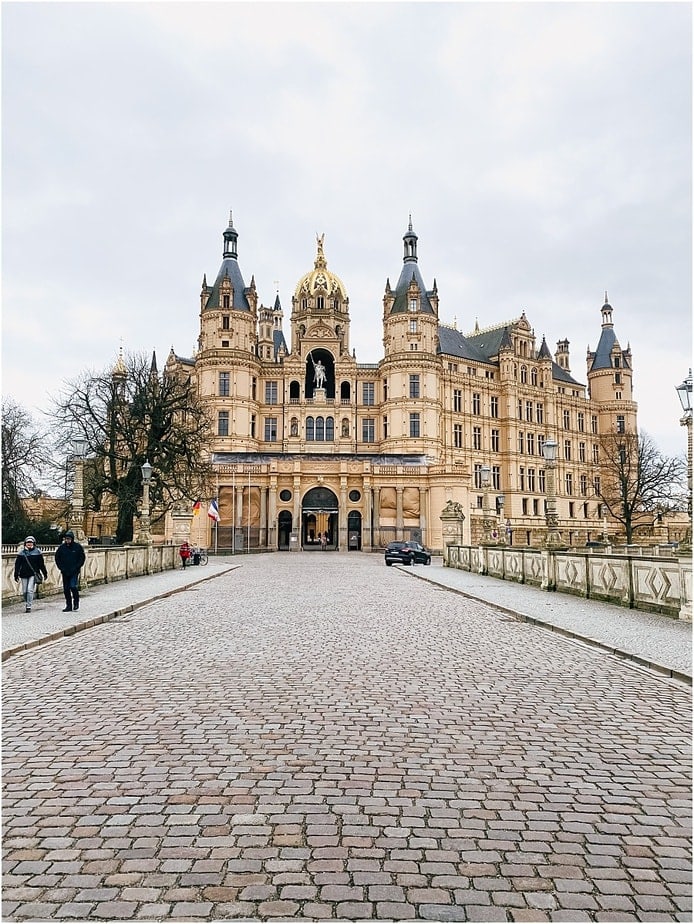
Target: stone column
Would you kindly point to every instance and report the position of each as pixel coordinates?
(452, 519)
(343, 540)
(399, 523)
(262, 538)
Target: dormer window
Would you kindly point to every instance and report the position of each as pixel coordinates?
(225, 301)
(225, 319)
(617, 362)
(320, 302)
(413, 304)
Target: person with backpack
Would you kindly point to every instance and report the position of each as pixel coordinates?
(69, 557)
(30, 569)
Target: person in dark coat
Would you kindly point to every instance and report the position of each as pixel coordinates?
(69, 557)
(27, 565)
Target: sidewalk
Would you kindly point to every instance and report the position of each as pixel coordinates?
(99, 603)
(659, 642)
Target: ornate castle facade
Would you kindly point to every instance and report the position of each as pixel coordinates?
(309, 442)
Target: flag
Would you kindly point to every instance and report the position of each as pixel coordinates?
(196, 507)
(213, 512)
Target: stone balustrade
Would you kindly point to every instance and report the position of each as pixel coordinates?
(656, 584)
(103, 565)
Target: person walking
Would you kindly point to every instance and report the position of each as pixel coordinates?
(69, 557)
(30, 569)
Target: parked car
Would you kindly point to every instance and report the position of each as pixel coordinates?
(407, 553)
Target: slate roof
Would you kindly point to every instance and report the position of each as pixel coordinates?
(229, 267)
(602, 358)
(410, 271)
(453, 343)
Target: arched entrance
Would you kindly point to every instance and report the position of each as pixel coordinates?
(319, 520)
(284, 530)
(354, 531)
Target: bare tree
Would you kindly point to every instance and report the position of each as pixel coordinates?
(131, 415)
(637, 481)
(25, 464)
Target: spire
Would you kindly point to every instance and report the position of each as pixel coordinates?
(153, 368)
(606, 311)
(410, 241)
(230, 240)
(119, 370)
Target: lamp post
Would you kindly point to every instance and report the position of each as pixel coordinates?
(79, 447)
(488, 513)
(684, 392)
(144, 536)
(553, 538)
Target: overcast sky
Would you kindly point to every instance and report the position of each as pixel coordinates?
(542, 149)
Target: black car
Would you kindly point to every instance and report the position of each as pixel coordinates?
(407, 553)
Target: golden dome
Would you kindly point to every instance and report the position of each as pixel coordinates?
(320, 280)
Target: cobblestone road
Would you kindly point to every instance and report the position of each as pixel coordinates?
(319, 736)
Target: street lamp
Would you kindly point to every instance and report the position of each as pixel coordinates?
(684, 392)
(553, 538)
(488, 514)
(144, 536)
(79, 449)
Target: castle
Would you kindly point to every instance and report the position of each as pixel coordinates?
(309, 443)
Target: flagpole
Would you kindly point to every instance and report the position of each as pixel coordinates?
(216, 522)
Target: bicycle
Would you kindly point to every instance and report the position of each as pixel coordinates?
(199, 556)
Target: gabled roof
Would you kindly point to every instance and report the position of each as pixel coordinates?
(279, 341)
(453, 343)
(489, 342)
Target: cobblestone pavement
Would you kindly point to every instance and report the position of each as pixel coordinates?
(317, 736)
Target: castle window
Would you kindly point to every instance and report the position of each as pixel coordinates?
(225, 343)
(271, 392)
(531, 479)
(571, 509)
(223, 423)
(458, 436)
(536, 507)
(494, 406)
(253, 426)
(581, 421)
(224, 384)
(368, 430)
(414, 425)
(567, 450)
(566, 417)
(368, 392)
(457, 400)
(533, 376)
(618, 378)
(593, 423)
(521, 479)
(496, 477)
(620, 423)
(476, 402)
(225, 301)
(477, 437)
(540, 443)
(413, 347)
(320, 302)
(618, 395)
(385, 389)
(413, 325)
(584, 487)
(540, 412)
(596, 452)
(225, 320)
(528, 410)
(329, 428)
(270, 429)
(530, 443)
(310, 429)
(477, 476)
(254, 388)
(569, 481)
(541, 483)
(320, 428)
(521, 443)
(385, 428)
(495, 440)
(524, 375)
(581, 452)
(520, 410)
(617, 362)
(413, 304)
(414, 386)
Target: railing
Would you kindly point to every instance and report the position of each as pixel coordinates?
(659, 584)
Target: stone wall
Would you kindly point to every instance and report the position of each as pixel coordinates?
(658, 584)
(103, 565)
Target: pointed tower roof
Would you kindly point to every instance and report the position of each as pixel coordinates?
(153, 367)
(602, 358)
(544, 350)
(410, 271)
(119, 369)
(230, 268)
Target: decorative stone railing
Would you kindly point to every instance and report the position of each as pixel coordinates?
(102, 566)
(658, 585)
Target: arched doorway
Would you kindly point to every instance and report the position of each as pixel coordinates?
(284, 530)
(319, 519)
(354, 531)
